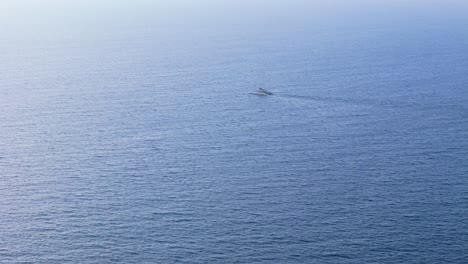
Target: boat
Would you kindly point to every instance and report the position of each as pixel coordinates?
(262, 91)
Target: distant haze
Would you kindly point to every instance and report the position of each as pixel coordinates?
(19, 15)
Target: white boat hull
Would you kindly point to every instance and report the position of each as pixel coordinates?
(261, 94)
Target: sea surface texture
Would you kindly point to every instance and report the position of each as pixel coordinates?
(134, 139)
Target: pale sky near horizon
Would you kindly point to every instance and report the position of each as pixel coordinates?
(11, 8)
(34, 16)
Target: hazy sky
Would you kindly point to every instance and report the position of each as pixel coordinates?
(43, 16)
(30, 9)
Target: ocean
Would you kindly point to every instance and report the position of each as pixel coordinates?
(135, 139)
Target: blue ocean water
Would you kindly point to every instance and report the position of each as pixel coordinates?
(135, 145)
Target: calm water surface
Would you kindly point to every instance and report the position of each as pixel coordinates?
(137, 146)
